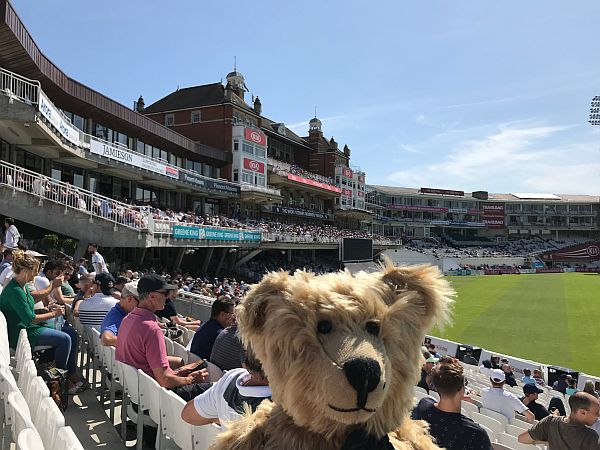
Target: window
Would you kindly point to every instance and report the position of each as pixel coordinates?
(196, 117)
(260, 180)
(247, 148)
(259, 151)
(169, 120)
(236, 175)
(247, 177)
(236, 146)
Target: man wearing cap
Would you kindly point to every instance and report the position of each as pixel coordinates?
(497, 399)
(111, 323)
(141, 342)
(562, 384)
(531, 392)
(425, 381)
(93, 310)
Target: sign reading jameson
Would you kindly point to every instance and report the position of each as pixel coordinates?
(133, 159)
(214, 234)
(49, 111)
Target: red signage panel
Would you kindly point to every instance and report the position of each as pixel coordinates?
(347, 192)
(254, 166)
(361, 194)
(314, 183)
(347, 172)
(492, 215)
(361, 178)
(581, 252)
(255, 136)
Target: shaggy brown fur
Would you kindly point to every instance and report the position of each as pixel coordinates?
(280, 318)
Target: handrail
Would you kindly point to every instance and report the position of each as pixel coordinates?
(282, 167)
(257, 188)
(73, 197)
(163, 226)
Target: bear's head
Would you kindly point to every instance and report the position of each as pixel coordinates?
(342, 350)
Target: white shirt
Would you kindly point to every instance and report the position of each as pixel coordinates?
(98, 263)
(499, 400)
(11, 237)
(6, 275)
(93, 310)
(215, 403)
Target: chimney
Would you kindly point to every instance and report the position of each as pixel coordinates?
(257, 106)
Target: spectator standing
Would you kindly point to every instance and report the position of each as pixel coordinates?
(447, 425)
(561, 384)
(497, 399)
(509, 375)
(11, 234)
(228, 351)
(568, 433)
(93, 310)
(141, 342)
(97, 259)
(221, 316)
(425, 381)
(531, 392)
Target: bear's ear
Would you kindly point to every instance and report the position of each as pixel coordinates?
(420, 290)
(251, 312)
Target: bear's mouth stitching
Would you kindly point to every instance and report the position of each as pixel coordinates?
(345, 410)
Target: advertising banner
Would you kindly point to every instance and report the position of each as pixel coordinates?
(347, 192)
(314, 183)
(442, 192)
(361, 178)
(550, 270)
(50, 112)
(255, 136)
(361, 194)
(254, 166)
(214, 234)
(582, 252)
(416, 208)
(347, 172)
(442, 346)
(275, 209)
(128, 157)
(492, 215)
(516, 364)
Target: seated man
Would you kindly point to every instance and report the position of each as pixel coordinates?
(111, 323)
(531, 392)
(527, 378)
(224, 401)
(93, 310)
(171, 313)
(228, 351)
(568, 433)
(425, 381)
(501, 401)
(221, 316)
(447, 425)
(141, 342)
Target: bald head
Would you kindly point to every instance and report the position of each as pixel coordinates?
(585, 408)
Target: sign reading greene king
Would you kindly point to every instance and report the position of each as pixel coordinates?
(255, 136)
(254, 166)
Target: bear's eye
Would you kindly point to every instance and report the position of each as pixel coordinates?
(324, 326)
(372, 328)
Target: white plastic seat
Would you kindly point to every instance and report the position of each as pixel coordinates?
(169, 346)
(4, 344)
(420, 389)
(498, 446)
(204, 436)
(50, 419)
(214, 372)
(173, 426)
(29, 439)
(179, 350)
(489, 432)
(495, 415)
(131, 384)
(192, 357)
(514, 430)
(19, 414)
(66, 439)
(435, 395)
(469, 407)
(150, 401)
(38, 390)
(521, 423)
(26, 376)
(8, 384)
(495, 426)
(508, 440)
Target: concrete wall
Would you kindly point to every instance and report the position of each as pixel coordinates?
(409, 257)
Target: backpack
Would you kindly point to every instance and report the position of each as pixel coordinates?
(58, 384)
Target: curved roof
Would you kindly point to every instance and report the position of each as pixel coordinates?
(19, 53)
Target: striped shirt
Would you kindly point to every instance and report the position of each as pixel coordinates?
(93, 310)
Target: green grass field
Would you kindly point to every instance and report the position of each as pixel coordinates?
(550, 318)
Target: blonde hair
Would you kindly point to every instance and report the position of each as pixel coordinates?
(23, 261)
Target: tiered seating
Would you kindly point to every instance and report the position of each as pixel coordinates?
(34, 419)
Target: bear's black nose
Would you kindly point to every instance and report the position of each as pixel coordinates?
(364, 375)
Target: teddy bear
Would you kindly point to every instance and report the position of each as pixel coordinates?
(342, 354)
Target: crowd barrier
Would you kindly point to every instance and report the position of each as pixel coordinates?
(516, 271)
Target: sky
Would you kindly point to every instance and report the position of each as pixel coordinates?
(469, 95)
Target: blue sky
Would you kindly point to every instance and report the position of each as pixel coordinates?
(470, 95)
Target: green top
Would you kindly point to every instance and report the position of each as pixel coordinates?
(67, 290)
(16, 303)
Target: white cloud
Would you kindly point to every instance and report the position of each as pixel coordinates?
(521, 158)
(302, 127)
(409, 148)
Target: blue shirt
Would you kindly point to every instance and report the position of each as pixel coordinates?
(204, 338)
(112, 320)
(528, 380)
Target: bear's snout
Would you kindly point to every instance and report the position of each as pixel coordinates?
(363, 374)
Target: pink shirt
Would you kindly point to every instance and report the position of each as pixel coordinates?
(141, 342)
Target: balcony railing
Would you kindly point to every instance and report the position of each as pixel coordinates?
(72, 197)
(270, 190)
(19, 88)
(283, 168)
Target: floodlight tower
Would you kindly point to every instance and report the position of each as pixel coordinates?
(595, 111)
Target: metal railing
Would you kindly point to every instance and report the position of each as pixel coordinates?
(17, 87)
(283, 168)
(72, 197)
(247, 187)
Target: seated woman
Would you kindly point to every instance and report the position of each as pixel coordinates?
(16, 303)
